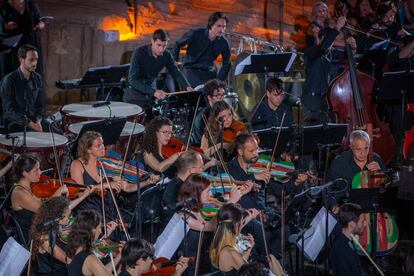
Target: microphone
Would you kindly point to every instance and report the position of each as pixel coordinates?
(101, 104)
(47, 223)
(179, 205)
(47, 170)
(298, 102)
(221, 120)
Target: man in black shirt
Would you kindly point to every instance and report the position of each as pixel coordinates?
(269, 112)
(317, 69)
(213, 92)
(22, 93)
(146, 63)
(349, 163)
(343, 258)
(204, 45)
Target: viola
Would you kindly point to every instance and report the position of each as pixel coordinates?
(280, 171)
(47, 186)
(174, 146)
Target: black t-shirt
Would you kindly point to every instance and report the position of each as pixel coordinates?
(343, 258)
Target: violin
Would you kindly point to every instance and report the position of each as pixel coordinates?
(174, 146)
(280, 171)
(230, 134)
(104, 246)
(46, 187)
(164, 267)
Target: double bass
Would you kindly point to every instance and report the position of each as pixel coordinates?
(350, 97)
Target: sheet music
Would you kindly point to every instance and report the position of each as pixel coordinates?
(13, 258)
(292, 59)
(171, 238)
(379, 45)
(242, 64)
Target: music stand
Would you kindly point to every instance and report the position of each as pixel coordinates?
(110, 129)
(8, 43)
(107, 76)
(265, 63)
(402, 81)
(268, 136)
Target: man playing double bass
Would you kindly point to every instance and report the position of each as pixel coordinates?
(353, 161)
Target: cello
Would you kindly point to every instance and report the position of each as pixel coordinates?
(350, 97)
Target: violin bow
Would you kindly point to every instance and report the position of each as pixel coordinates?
(368, 256)
(127, 149)
(221, 159)
(192, 123)
(264, 236)
(52, 136)
(29, 266)
(256, 108)
(272, 159)
(115, 202)
(200, 244)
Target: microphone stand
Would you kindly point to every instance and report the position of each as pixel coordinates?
(138, 213)
(52, 243)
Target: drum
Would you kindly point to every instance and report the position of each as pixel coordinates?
(39, 143)
(123, 138)
(79, 112)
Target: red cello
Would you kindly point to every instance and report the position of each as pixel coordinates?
(350, 97)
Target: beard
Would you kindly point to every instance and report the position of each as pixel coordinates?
(250, 160)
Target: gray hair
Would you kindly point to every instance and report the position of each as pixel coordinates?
(359, 134)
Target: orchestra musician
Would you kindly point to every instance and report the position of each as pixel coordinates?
(85, 230)
(158, 133)
(223, 125)
(137, 257)
(343, 257)
(270, 111)
(23, 202)
(56, 208)
(146, 63)
(22, 94)
(213, 91)
(349, 163)
(204, 45)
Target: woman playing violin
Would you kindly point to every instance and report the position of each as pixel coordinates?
(221, 116)
(24, 203)
(158, 134)
(229, 250)
(85, 231)
(137, 259)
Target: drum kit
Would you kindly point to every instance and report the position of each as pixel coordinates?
(74, 117)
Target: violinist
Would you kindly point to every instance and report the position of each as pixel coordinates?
(213, 91)
(349, 163)
(188, 163)
(224, 126)
(197, 187)
(56, 208)
(270, 111)
(343, 257)
(84, 170)
(317, 58)
(229, 249)
(85, 230)
(157, 134)
(24, 203)
(137, 259)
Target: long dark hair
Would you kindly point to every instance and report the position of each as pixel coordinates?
(149, 142)
(48, 211)
(24, 163)
(228, 218)
(81, 233)
(212, 120)
(192, 188)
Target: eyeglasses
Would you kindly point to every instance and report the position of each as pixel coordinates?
(277, 92)
(220, 95)
(166, 132)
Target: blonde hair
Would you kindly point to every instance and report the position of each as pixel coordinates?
(86, 142)
(229, 217)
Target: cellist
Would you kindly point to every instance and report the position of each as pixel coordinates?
(349, 163)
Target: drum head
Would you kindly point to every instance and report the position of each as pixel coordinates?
(34, 140)
(115, 109)
(126, 131)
